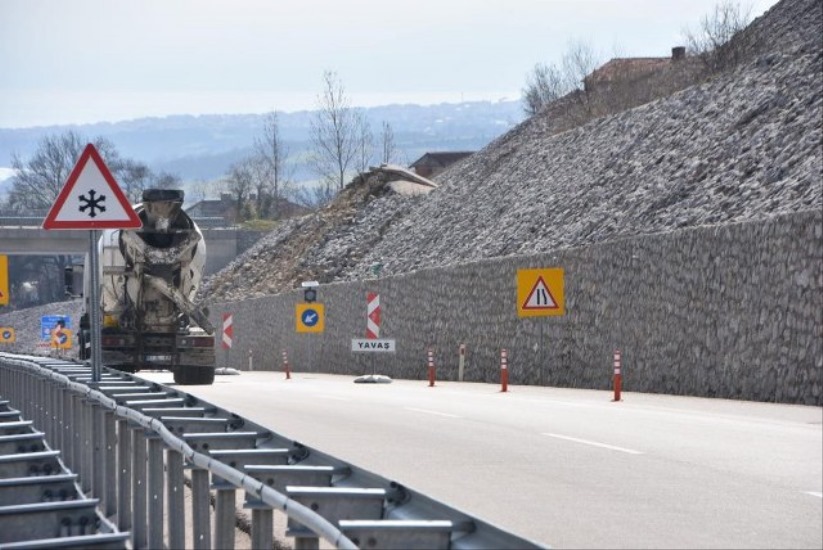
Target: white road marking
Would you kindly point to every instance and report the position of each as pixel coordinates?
(337, 397)
(432, 412)
(595, 444)
(814, 494)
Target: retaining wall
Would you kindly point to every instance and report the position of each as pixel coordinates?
(733, 311)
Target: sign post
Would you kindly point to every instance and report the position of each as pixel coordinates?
(373, 342)
(540, 293)
(91, 199)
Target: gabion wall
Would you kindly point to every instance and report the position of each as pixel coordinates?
(731, 311)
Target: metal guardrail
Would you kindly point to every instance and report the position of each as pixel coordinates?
(115, 434)
(41, 502)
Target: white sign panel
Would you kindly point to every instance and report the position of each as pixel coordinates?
(374, 344)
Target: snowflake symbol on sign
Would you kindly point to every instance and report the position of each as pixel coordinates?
(92, 203)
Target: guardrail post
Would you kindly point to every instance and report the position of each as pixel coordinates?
(86, 426)
(67, 439)
(201, 505)
(155, 486)
(98, 443)
(224, 508)
(262, 523)
(110, 428)
(138, 477)
(124, 446)
(176, 503)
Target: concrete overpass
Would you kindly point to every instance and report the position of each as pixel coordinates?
(23, 236)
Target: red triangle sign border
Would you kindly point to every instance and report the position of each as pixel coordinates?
(537, 283)
(132, 220)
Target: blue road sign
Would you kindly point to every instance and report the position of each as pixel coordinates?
(49, 322)
(310, 317)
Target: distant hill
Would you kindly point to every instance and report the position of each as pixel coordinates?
(203, 147)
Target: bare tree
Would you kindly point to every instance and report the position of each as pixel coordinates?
(543, 85)
(333, 135)
(548, 82)
(712, 40)
(240, 182)
(273, 155)
(134, 178)
(38, 181)
(388, 147)
(364, 142)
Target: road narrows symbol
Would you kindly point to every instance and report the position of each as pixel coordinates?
(540, 297)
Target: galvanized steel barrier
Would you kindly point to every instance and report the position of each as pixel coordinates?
(130, 441)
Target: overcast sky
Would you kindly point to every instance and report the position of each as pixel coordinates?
(80, 61)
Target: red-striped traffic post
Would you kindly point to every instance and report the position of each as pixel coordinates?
(504, 370)
(617, 375)
(286, 365)
(431, 367)
(461, 365)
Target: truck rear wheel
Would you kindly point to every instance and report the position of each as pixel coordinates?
(194, 376)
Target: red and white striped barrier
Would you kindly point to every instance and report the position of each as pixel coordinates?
(228, 331)
(431, 367)
(618, 377)
(504, 370)
(286, 365)
(373, 315)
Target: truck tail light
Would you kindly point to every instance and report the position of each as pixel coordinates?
(199, 342)
(113, 341)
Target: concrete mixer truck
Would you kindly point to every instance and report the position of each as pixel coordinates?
(148, 279)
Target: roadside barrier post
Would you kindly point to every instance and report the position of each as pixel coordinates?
(431, 367)
(461, 363)
(250, 360)
(504, 370)
(617, 375)
(286, 365)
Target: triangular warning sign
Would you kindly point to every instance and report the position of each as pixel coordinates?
(91, 199)
(540, 297)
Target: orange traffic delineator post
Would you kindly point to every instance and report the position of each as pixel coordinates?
(286, 365)
(504, 370)
(431, 367)
(618, 377)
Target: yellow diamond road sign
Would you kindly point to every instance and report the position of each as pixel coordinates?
(540, 292)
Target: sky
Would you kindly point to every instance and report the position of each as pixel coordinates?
(84, 61)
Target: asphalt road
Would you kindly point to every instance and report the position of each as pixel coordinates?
(565, 468)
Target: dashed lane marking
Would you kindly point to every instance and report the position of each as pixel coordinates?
(595, 444)
(432, 412)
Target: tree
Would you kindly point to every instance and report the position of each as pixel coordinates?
(712, 40)
(240, 183)
(548, 82)
(333, 135)
(364, 143)
(388, 148)
(271, 186)
(38, 181)
(545, 84)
